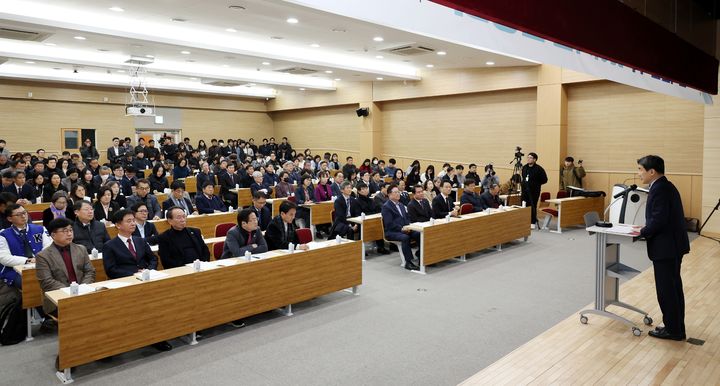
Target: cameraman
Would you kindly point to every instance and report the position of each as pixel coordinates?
(533, 177)
(489, 178)
(571, 175)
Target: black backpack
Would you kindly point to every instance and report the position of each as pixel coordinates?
(13, 321)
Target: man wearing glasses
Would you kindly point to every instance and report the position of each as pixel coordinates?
(63, 262)
(19, 244)
(181, 244)
(395, 217)
(142, 194)
(89, 232)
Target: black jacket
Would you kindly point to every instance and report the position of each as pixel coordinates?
(151, 233)
(440, 206)
(119, 262)
(419, 211)
(472, 199)
(92, 236)
(276, 236)
(171, 253)
(665, 222)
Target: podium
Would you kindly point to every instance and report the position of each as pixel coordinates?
(608, 272)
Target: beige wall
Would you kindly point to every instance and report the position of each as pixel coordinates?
(711, 167)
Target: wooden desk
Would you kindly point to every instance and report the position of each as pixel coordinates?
(370, 230)
(275, 204)
(205, 222)
(190, 184)
(199, 300)
(571, 210)
(37, 207)
(320, 213)
(511, 199)
(244, 197)
(470, 233)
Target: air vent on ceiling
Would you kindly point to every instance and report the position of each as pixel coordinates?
(219, 83)
(18, 34)
(409, 50)
(297, 70)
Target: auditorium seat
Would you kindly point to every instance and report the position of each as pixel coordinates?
(218, 249)
(466, 208)
(304, 235)
(222, 229)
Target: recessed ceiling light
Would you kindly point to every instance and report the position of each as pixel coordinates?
(337, 79)
(379, 57)
(230, 30)
(121, 71)
(29, 62)
(116, 9)
(379, 78)
(252, 84)
(50, 44)
(441, 53)
(292, 20)
(236, 7)
(490, 63)
(328, 71)
(429, 65)
(185, 52)
(226, 65)
(79, 37)
(277, 37)
(302, 88)
(179, 19)
(315, 45)
(265, 63)
(193, 78)
(150, 56)
(378, 38)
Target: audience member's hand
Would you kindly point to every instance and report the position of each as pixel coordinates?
(303, 247)
(156, 218)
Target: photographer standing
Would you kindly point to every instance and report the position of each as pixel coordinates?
(490, 178)
(533, 177)
(571, 175)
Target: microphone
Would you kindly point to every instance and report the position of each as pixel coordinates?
(626, 191)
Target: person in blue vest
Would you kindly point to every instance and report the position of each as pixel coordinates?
(19, 244)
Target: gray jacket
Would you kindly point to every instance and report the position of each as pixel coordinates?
(236, 243)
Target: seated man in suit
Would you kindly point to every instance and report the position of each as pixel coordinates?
(489, 198)
(88, 232)
(470, 197)
(281, 230)
(144, 228)
(404, 195)
(419, 209)
(19, 243)
(366, 205)
(262, 212)
(177, 198)
(180, 244)
(381, 195)
(335, 187)
(142, 194)
(63, 262)
(22, 191)
(205, 175)
(395, 217)
(442, 204)
(230, 180)
(126, 254)
(259, 185)
(208, 202)
(345, 207)
(245, 237)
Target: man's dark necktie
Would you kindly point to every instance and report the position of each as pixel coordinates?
(26, 244)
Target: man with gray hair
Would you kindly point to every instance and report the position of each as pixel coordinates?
(102, 177)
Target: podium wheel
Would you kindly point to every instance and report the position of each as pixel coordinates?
(636, 331)
(583, 319)
(647, 320)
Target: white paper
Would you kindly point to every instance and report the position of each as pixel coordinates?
(204, 265)
(111, 284)
(82, 289)
(226, 262)
(154, 274)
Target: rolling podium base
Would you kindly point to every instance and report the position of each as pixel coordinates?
(608, 272)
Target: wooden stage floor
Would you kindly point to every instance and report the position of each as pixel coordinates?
(605, 352)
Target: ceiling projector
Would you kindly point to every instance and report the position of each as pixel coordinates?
(139, 110)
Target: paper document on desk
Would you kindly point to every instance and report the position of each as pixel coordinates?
(204, 265)
(316, 244)
(111, 284)
(622, 229)
(226, 262)
(154, 274)
(82, 289)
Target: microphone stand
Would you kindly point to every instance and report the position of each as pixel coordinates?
(708, 219)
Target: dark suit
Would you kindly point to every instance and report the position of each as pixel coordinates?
(473, 199)
(277, 237)
(119, 262)
(209, 205)
(487, 200)
(393, 222)
(126, 185)
(667, 242)
(177, 248)
(150, 231)
(100, 213)
(336, 189)
(419, 211)
(48, 216)
(263, 215)
(441, 206)
(169, 203)
(26, 192)
(227, 182)
(111, 156)
(94, 235)
(202, 178)
(340, 225)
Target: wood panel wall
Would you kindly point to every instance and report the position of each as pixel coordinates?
(335, 129)
(473, 128)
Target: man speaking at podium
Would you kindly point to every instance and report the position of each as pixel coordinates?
(667, 242)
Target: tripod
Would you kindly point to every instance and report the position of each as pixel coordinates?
(708, 219)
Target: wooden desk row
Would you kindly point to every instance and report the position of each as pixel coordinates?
(205, 222)
(462, 235)
(96, 325)
(571, 210)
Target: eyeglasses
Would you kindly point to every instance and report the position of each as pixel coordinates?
(65, 230)
(143, 188)
(20, 214)
(142, 211)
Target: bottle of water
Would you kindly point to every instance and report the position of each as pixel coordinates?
(291, 247)
(432, 220)
(230, 208)
(197, 265)
(145, 275)
(447, 218)
(248, 255)
(362, 216)
(338, 239)
(74, 288)
(94, 253)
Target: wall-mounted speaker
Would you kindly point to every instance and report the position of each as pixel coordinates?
(362, 112)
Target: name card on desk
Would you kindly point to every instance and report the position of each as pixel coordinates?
(154, 275)
(82, 289)
(204, 265)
